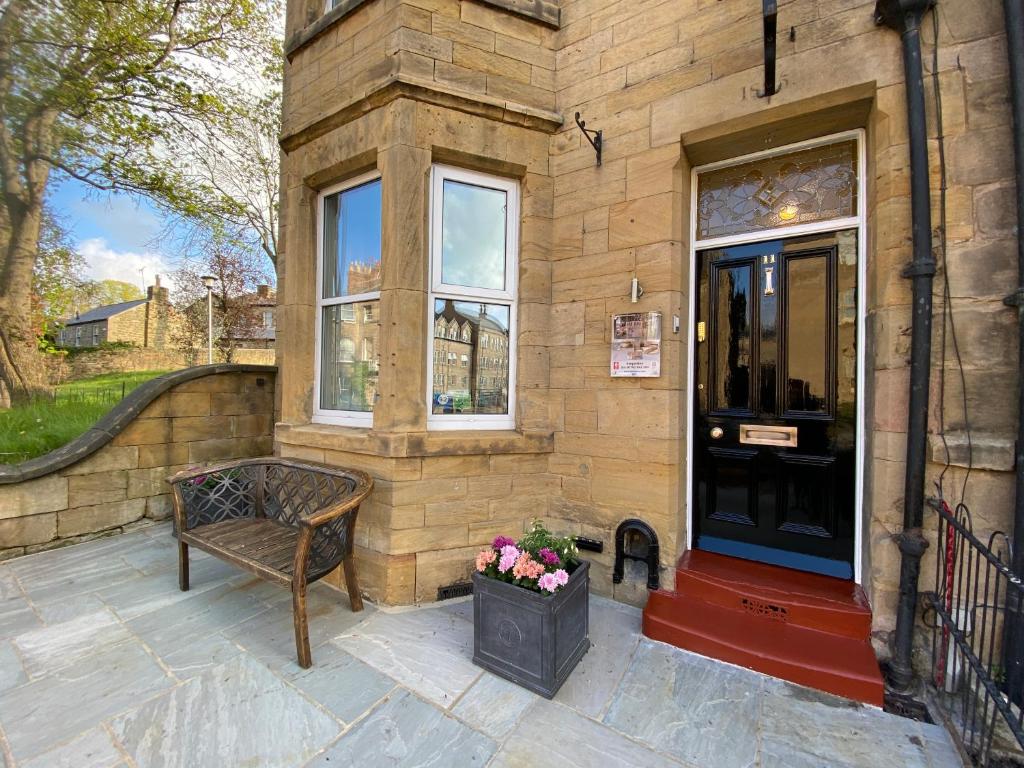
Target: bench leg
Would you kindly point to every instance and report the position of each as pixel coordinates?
(301, 625)
(183, 566)
(352, 583)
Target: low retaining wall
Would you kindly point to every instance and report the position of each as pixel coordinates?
(115, 474)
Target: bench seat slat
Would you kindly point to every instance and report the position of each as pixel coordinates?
(264, 547)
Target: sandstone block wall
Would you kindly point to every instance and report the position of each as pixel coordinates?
(215, 417)
(399, 84)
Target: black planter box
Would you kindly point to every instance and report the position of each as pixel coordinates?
(531, 638)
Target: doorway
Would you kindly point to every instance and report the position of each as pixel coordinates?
(775, 427)
(774, 411)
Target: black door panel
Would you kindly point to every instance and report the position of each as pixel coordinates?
(775, 402)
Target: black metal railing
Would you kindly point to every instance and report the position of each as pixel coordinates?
(977, 638)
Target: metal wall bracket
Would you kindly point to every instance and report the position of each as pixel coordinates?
(596, 141)
(770, 11)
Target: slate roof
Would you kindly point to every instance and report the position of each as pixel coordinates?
(102, 313)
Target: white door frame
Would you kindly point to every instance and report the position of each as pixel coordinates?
(857, 222)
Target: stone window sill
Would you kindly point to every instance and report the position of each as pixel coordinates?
(412, 444)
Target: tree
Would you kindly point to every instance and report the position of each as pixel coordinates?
(56, 278)
(100, 293)
(101, 90)
(239, 272)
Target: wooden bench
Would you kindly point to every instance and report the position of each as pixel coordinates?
(286, 521)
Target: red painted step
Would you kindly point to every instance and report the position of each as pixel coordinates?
(808, 629)
(808, 600)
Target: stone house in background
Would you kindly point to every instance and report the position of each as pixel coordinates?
(437, 141)
(261, 332)
(144, 323)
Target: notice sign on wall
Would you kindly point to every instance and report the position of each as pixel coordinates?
(636, 345)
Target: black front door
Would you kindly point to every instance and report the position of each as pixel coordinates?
(775, 402)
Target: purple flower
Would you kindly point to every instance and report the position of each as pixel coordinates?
(503, 541)
(548, 582)
(561, 577)
(509, 555)
(549, 557)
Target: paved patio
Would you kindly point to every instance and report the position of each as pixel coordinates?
(104, 663)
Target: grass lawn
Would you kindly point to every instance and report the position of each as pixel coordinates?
(39, 427)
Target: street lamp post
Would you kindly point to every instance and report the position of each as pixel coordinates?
(208, 281)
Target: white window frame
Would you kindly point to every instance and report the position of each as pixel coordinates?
(326, 415)
(441, 290)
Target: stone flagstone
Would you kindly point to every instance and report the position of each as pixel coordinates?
(12, 673)
(700, 711)
(271, 636)
(493, 706)
(340, 682)
(614, 629)
(93, 749)
(428, 651)
(236, 714)
(551, 734)
(65, 644)
(54, 708)
(404, 732)
(801, 727)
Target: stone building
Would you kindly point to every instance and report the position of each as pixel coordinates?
(437, 140)
(143, 322)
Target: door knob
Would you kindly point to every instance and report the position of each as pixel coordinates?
(716, 433)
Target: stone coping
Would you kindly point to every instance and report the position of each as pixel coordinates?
(399, 445)
(405, 86)
(114, 422)
(544, 11)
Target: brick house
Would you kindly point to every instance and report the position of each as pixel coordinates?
(144, 323)
(437, 141)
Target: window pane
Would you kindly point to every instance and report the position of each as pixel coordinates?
(352, 241)
(799, 188)
(732, 320)
(473, 236)
(470, 357)
(348, 358)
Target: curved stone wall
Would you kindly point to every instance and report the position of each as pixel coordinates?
(114, 475)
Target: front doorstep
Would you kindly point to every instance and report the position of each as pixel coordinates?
(529, 638)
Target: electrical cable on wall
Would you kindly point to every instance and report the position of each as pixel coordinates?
(948, 320)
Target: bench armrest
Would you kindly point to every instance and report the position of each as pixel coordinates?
(364, 484)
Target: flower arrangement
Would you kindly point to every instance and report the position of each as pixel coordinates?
(539, 561)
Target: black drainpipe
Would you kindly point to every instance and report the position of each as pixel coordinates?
(905, 16)
(1013, 11)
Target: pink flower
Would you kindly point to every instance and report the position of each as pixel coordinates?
(509, 555)
(503, 541)
(485, 558)
(548, 582)
(549, 557)
(561, 577)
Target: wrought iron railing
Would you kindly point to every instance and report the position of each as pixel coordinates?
(977, 639)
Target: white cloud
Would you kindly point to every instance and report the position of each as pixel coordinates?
(104, 263)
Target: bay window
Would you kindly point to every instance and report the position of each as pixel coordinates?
(474, 233)
(348, 294)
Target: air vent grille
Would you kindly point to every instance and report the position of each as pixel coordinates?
(761, 608)
(458, 589)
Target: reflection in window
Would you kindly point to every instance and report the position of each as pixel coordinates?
(349, 367)
(801, 187)
(473, 236)
(733, 320)
(351, 241)
(465, 379)
(347, 301)
(807, 333)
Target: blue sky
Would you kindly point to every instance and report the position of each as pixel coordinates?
(119, 236)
